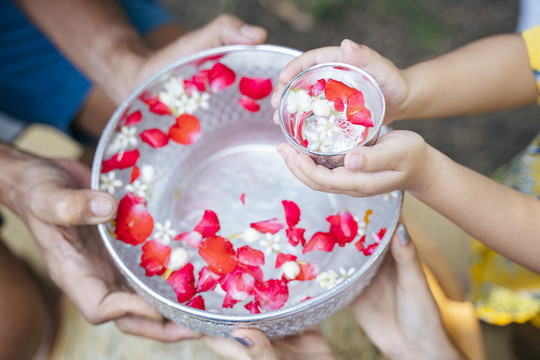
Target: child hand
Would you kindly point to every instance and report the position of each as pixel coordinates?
(400, 160)
(393, 85)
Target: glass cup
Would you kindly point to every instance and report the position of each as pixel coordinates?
(329, 109)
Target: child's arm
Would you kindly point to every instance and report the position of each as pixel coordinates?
(487, 75)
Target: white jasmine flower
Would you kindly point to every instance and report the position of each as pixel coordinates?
(345, 274)
(126, 137)
(320, 107)
(298, 100)
(164, 234)
(137, 188)
(251, 235)
(167, 98)
(179, 258)
(148, 174)
(174, 86)
(326, 128)
(290, 269)
(200, 100)
(327, 279)
(271, 242)
(185, 105)
(109, 182)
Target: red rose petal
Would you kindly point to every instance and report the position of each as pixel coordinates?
(199, 81)
(343, 227)
(238, 285)
(197, 302)
(292, 212)
(209, 224)
(155, 257)
(155, 138)
(362, 117)
(255, 88)
(295, 236)
(271, 295)
(135, 173)
(192, 238)
(121, 161)
(207, 280)
(220, 77)
(360, 243)
(253, 307)
(320, 241)
(187, 129)
(219, 254)
(307, 271)
(133, 118)
(155, 106)
(249, 104)
(337, 90)
(283, 258)
(183, 283)
(134, 224)
(317, 88)
(243, 199)
(249, 256)
(271, 226)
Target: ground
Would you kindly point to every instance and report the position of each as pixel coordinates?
(405, 31)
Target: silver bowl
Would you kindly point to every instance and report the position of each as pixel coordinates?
(232, 168)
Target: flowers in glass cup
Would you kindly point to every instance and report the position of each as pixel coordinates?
(328, 116)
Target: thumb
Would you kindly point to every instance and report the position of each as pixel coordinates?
(65, 206)
(408, 267)
(256, 344)
(234, 31)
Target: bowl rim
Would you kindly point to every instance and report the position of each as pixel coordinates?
(164, 301)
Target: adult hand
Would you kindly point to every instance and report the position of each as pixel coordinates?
(254, 345)
(223, 30)
(391, 80)
(399, 160)
(397, 310)
(53, 199)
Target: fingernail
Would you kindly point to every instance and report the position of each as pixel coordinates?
(245, 342)
(402, 234)
(250, 31)
(355, 162)
(354, 45)
(101, 206)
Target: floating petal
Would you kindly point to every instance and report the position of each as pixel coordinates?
(249, 104)
(249, 256)
(255, 88)
(271, 226)
(155, 138)
(209, 224)
(121, 161)
(183, 283)
(292, 212)
(134, 224)
(187, 129)
(220, 77)
(155, 257)
(219, 254)
(320, 241)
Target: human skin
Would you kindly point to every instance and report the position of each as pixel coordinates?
(459, 82)
(52, 197)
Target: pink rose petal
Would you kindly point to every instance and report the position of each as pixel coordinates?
(255, 88)
(183, 283)
(155, 138)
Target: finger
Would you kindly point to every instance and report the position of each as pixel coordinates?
(56, 204)
(227, 348)
(308, 59)
(294, 161)
(408, 267)
(386, 154)
(119, 304)
(78, 171)
(256, 344)
(232, 30)
(165, 330)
